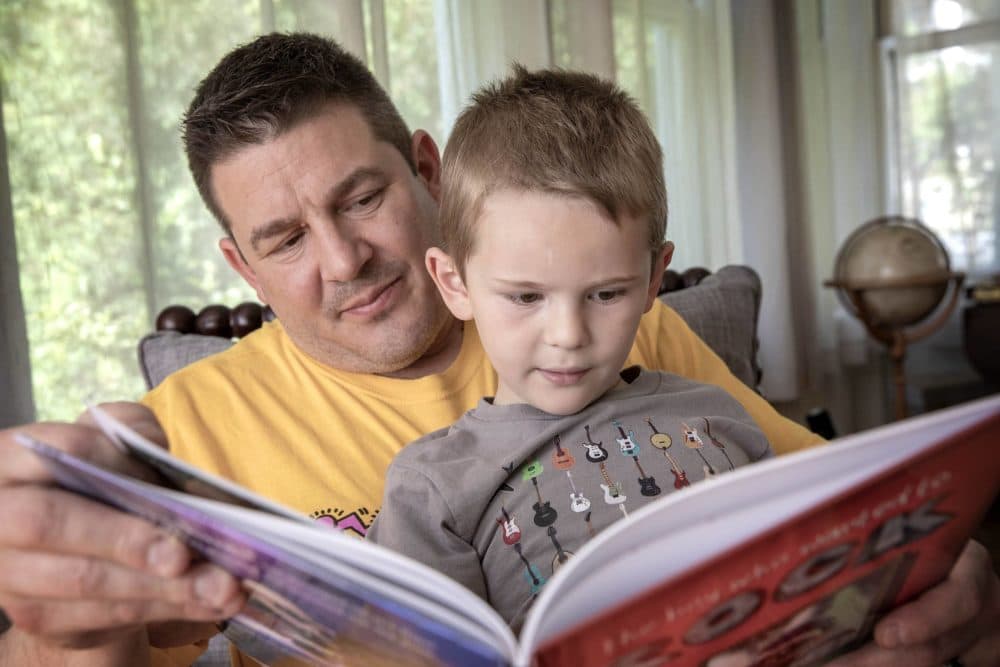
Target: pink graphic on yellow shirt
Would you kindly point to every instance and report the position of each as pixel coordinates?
(356, 522)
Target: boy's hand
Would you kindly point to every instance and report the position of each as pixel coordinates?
(77, 574)
(958, 618)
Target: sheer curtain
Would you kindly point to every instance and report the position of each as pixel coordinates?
(110, 229)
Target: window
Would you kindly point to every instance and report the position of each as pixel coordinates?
(109, 226)
(943, 108)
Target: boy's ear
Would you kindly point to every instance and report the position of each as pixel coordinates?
(449, 282)
(660, 263)
(236, 260)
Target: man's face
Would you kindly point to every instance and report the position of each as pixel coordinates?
(557, 289)
(332, 226)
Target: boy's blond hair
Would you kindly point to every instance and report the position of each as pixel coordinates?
(555, 131)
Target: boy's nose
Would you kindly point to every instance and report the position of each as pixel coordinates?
(566, 327)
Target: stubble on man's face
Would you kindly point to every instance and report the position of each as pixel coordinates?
(290, 178)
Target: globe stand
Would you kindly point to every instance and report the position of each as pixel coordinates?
(896, 338)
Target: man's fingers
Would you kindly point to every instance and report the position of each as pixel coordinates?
(951, 604)
(58, 577)
(83, 441)
(61, 620)
(43, 519)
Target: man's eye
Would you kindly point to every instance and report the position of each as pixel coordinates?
(366, 203)
(288, 244)
(525, 299)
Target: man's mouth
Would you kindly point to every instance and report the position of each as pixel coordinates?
(371, 302)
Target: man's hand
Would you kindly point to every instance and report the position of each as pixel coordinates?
(76, 574)
(958, 618)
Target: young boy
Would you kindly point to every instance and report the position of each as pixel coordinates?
(553, 218)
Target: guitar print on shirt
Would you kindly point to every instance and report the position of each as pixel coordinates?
(545, 514)
(629, 447)
(662, 441)
(693, 441)
(595, 452)
(715, 441)
(562, 459)
(512, 537)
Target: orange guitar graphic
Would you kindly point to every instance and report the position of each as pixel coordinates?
(545, 514)
(717, 443)
(693, 441)
(595, 453)
(563, 460)
(662, 441)
(647, 483)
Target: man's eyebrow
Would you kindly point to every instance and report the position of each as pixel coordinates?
(278, 227)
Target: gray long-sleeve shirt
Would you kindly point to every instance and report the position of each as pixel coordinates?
(502, 497)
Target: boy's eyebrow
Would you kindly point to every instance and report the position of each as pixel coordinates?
(530, 284)
(279, 226)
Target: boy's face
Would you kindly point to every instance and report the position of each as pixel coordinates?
(557, 289)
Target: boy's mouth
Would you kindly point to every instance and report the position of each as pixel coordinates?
(563, 376)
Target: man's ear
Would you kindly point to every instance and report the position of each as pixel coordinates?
(449, 282)
(660, 263)
(427, 161)
(235, 259)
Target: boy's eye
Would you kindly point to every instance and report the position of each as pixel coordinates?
(607, 295)
(525, 299)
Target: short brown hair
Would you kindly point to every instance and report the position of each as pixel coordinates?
(553, 131)
(265, 87)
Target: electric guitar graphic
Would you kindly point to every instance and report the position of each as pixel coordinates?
(595, 452)
(509, 530)
(662, 441)
(561, 554)
(693, 441)
(717, 443)
(647, 483)
(563, 460)
(545, 514)
(612, 491)
(531, 573)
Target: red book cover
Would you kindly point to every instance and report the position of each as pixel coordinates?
(812, 587)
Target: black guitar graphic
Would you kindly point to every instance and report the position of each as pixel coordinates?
(595, 452)
(561, 554)
(545, 514)
(647, 483)
(717, 443)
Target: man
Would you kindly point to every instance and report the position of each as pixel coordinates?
(328, 203)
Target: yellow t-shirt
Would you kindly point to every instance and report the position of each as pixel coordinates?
(319, 440)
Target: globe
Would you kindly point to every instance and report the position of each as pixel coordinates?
(896, 267)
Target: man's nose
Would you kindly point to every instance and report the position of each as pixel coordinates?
(566, 326)
(342, 255)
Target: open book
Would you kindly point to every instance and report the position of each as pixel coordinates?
(784, 562)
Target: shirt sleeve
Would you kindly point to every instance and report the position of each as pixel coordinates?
(665, 342)
(416, 521)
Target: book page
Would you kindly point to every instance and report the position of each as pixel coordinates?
(305, 603)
